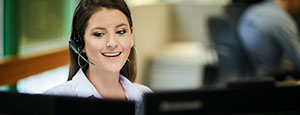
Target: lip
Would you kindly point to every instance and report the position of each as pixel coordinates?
(111, 54)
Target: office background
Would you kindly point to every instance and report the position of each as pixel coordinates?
(172, 37)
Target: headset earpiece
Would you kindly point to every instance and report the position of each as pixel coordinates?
(76, 49)
(74, 46)
(80, 41)
(77, 42)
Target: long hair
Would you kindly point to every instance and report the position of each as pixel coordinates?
(82, 14)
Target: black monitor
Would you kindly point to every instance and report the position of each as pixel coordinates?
(14, 103)
(225, 101)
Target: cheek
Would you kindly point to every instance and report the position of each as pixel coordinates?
(93, 46)
(126, 44)
(129, 41)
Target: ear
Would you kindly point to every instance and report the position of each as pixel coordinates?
(131, 37)
(83, 50)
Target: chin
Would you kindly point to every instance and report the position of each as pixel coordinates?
(114, 68)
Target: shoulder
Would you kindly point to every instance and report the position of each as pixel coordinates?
(142, 88)
(266, 12)
(64, 89)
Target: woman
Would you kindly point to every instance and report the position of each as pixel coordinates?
(102, 59)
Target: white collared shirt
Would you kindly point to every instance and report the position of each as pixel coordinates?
(80, 86)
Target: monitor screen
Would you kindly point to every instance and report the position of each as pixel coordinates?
(14, 103)
(222, 101)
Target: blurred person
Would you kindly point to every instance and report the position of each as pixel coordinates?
(102, 53)
(269, 34)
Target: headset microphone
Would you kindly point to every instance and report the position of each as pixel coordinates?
(73, 47)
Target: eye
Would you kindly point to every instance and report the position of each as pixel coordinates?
(97, 34)
(121, 32)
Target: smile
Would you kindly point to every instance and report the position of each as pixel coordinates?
(111, 54)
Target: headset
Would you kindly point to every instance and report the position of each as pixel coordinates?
(76, 48)
(76, 43)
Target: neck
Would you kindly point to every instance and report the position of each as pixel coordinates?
(106, 82)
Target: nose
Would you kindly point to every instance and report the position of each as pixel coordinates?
(111, 43)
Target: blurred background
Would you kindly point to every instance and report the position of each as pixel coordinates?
(181, 44)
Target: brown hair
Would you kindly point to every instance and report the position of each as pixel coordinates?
(82, 14)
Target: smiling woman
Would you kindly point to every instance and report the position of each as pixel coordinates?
(108, 42)
(102, 55)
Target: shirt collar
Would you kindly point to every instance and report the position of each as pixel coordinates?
(132, 93)
(84, 88)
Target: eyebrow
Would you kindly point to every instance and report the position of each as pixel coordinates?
(102, 28)
(120, 25)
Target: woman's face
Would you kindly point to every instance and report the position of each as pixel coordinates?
(108, 39)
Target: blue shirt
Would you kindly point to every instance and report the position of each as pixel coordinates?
(269, 34)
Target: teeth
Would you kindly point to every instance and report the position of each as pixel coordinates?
(111, 54)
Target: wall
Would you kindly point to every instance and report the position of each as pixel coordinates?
(152, 29)
(191, 21)
(1, 29)
(171, 38)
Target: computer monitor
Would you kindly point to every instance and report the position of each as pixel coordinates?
(224, 101)
(14, 103)
(233, 60)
